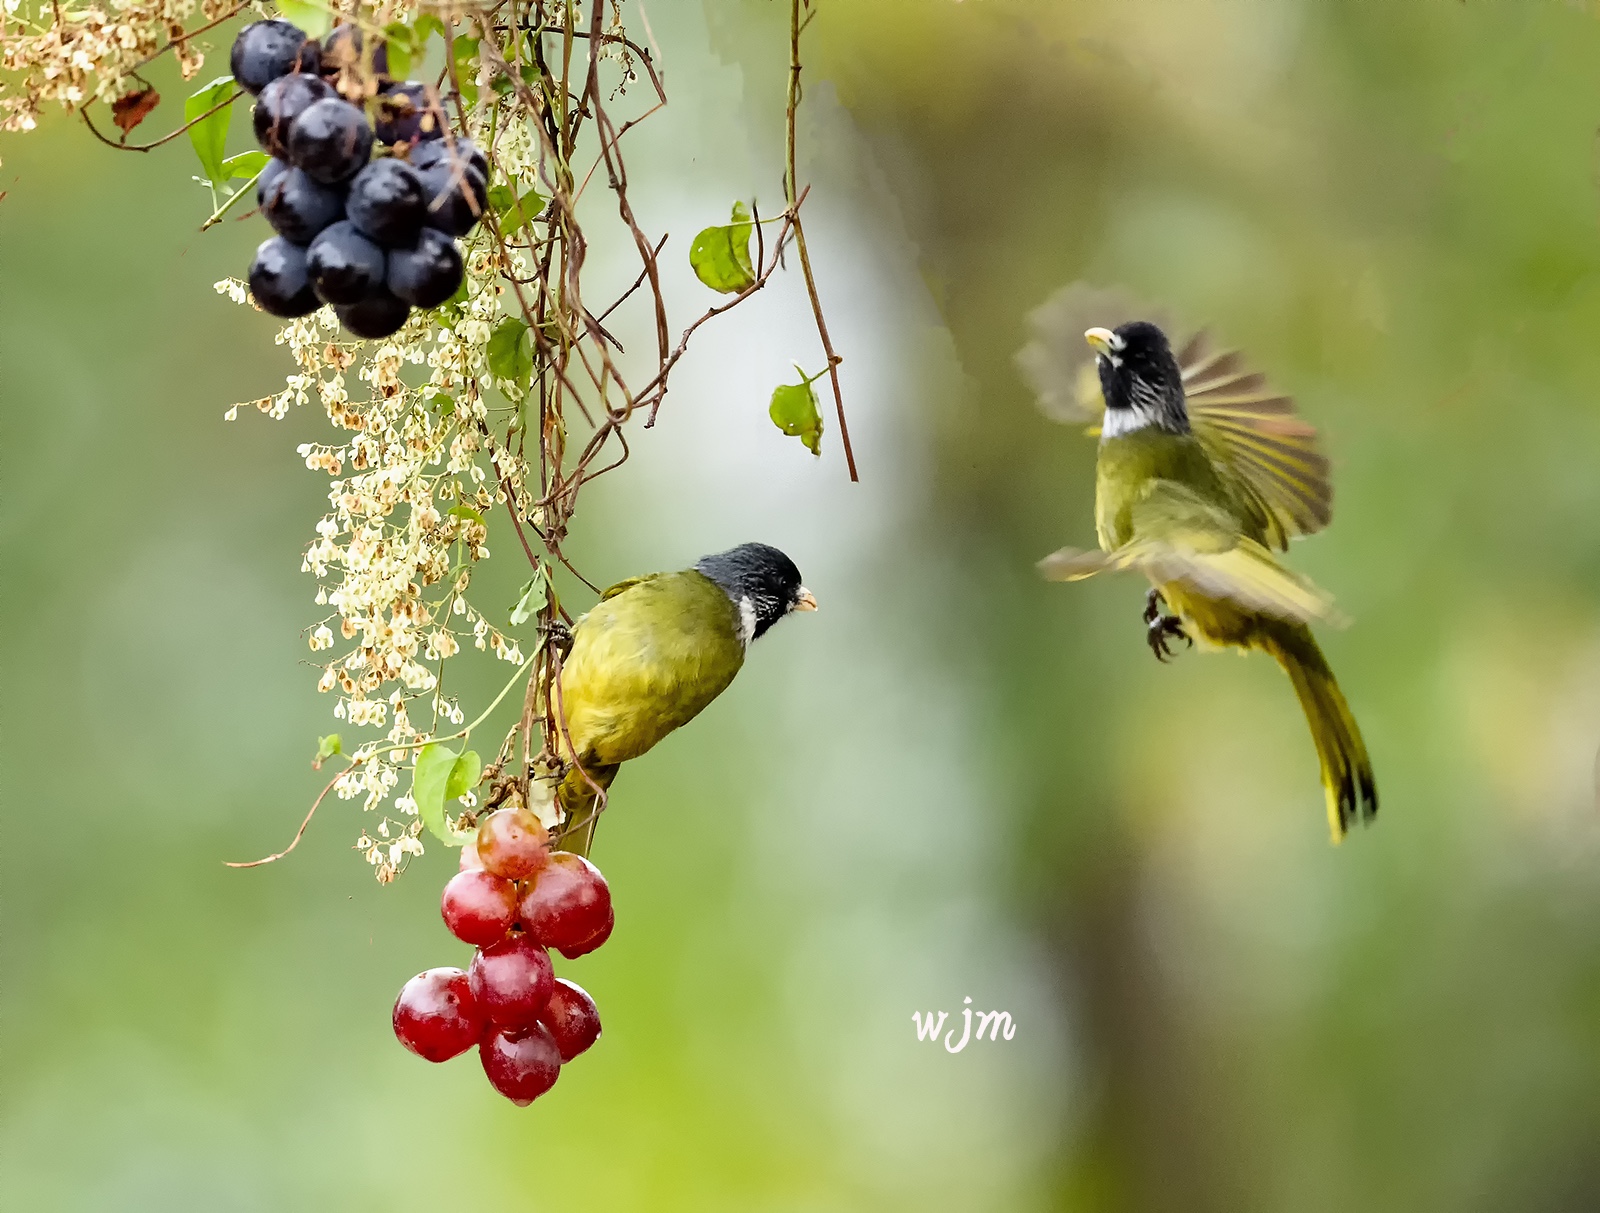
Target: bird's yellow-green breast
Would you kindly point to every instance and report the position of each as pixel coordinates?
(1128, 465)
(647, 659)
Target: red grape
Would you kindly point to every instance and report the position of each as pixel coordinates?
(572, 1018)
(436, 1016)
(566, 902)
(471, 861)
(511, 981)
(522, 1064)
(512, 843)
(478, 908)
(573, 951)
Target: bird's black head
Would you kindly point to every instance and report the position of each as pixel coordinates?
(762, 582)
(1139, 378)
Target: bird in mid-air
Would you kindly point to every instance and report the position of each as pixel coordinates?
(1202, 472)
(651, 654)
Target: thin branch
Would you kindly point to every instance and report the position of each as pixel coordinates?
(167, 138)
(298, 834)
(795, 28)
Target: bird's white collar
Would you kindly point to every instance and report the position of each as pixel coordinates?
(747, 621)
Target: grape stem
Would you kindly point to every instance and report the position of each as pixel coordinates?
(225, 207)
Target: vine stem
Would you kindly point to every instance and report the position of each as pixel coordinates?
(227, 204)
(789, 184)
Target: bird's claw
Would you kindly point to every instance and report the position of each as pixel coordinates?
(560, 636)
(1153, 602)
(1160, 628)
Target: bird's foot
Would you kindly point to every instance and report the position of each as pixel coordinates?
(1153, 602)
(1160, 628)
(560, 637)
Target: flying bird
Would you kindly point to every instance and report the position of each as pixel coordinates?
(651, 654)
(1202, 473)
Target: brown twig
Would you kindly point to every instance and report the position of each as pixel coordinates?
(795, 27)
(167, 138)
(298, 834)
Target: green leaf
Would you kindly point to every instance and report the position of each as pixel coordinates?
(464, 511)
(397, 39)
(794, 411)
(514, 213)
(210, 136)
(510, 351)
(327, 747)
(431, 779)
(245, 165)
(464, 775)
(316, 19)
(534, 594)
(425, 25)
(467, 68)
(721, 255)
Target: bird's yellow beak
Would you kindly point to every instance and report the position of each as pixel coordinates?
(1102, 341)
(805, 600)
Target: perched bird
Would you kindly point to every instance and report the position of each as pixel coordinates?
(651, 654)
(1202, 471)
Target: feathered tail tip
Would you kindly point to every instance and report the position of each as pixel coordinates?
(582, 797)
(1348, 786)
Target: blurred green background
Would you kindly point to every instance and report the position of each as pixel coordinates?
(955, 780)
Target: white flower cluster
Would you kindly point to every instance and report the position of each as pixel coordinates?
(394, 554)
(71, 54)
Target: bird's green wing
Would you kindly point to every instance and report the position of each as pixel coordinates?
(1253, 434)
(645, 660)
(1179, 537)
(628, 584)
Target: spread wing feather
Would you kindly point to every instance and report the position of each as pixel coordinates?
(1245, 574)
(1184, 539)
(1254, 433)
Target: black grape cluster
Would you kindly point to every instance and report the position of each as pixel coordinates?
(370, 232)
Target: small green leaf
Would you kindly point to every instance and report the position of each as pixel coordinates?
(464, 775)
(431, 779)
(399, 59)
(514, 213)
(794, 411)
(406, 46)
(510, 351)
(533, 595)
(245, 165)
(327, 747)
(467, 68)
(316, 19)
(721, 255)
(210, 135)
(464, 511)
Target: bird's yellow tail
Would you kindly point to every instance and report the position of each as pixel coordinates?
(1346, 771)
(581, 803)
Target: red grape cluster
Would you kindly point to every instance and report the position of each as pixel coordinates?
(371, 234)
(514, 899)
